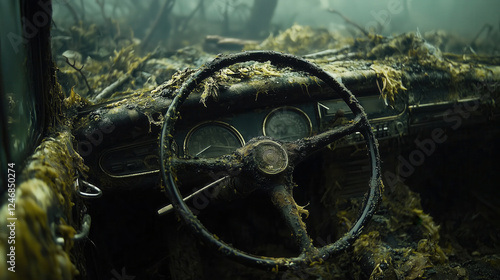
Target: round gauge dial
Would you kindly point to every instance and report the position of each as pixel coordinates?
(287, 123)
(212, 139)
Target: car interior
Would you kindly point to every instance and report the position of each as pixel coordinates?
(219, 140)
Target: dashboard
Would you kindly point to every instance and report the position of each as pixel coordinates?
(208, 138)
(119, 140)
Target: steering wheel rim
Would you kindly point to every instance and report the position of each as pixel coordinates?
(372, 196)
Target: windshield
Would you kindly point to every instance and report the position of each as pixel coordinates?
(96, 42)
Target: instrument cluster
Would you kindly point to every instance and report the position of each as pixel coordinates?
(217, 138)
(214, 138)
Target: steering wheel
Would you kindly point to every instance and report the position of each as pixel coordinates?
(270, 163)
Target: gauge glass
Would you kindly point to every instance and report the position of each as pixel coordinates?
(287, 124)
(212, 139)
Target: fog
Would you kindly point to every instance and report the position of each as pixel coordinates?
(463, 18)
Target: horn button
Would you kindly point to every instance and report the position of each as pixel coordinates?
(270, 157)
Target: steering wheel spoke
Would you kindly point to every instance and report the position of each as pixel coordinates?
(228, 164)
(303, 147)
(292, 213)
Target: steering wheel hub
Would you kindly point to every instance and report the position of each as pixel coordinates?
(271, 158)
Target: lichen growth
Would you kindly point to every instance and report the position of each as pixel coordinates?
(391, 83)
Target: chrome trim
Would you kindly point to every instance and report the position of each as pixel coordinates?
(386, 118)
(124, 148)
(389, 118)
(95, 192)
(418, 106)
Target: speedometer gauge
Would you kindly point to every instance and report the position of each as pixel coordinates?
(212, 139)
(287, 123)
